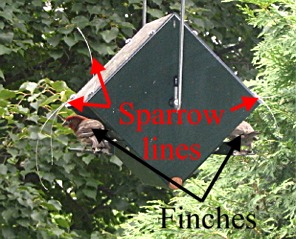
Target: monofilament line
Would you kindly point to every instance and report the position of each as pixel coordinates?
(52, 116)
(89, 51)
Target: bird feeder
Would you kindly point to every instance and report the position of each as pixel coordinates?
(144, 73)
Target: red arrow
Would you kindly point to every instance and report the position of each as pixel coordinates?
(96, 67)
(79, 103)
(248, 102)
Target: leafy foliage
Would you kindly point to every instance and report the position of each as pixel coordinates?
(263, 184)
(84, 192)
(39, 38)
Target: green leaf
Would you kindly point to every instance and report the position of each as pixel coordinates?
(8, 214)
(34, 118)
(87, 159)
(21, 27)
(3, 169)
(134, 1)
(55, 40)
(29, 86)
(53, 205)
(37, 3)
(69, 167)
(7, 15)
(93, 183)
(110, 35)
(56, 54)
(3, 104)
(23, 222)
(127, 25)
(34, 105)
(121, 205)
(62, 222)
(6, 37)
(102, 49)
(34, 133)
(8, 233)
(7, 94)
(90, 193)
(70, 41)
(114, 159)
(59, 86)
(22, 109)
(155, 13)
(37, 216)
(80, 21)
(58, 232)
(199, 23)
(94, 9)
(158, 2)
(96, 235)
(4, 50)
(83, 51)
(99, 24)
(50, 100)
(66, 30)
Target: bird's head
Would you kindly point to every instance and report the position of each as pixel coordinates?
(251, 136)
(73, 121)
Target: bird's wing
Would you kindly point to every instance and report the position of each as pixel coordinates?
(85, 128)
(246, 127)
(236, 132)
(243, 128)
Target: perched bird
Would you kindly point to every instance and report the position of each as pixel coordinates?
(247, 133)
(82, 128)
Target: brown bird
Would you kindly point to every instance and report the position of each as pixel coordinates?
(82, 128)
(247, 133)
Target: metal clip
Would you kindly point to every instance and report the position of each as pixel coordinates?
(176, 93)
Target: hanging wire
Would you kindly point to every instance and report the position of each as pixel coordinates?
(178, 103)
(144, 16)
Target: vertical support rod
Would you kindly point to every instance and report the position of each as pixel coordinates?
(181, 53)
(144, 16)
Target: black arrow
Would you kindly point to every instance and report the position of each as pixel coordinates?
(234, 144)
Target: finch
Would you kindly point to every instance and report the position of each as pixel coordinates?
(82, 128)
(247, 133)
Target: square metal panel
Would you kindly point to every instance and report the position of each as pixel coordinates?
(143, 73)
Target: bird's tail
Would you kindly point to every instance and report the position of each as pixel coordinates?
(102, 147)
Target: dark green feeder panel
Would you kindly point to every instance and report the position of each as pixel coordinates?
(143, 72)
